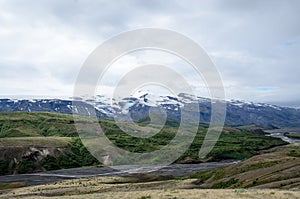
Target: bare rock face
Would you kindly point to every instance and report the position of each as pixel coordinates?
(28, 159)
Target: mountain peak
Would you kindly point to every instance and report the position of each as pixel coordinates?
(239, 112)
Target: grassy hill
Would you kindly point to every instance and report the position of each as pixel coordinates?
(46, 141)
(275, 168)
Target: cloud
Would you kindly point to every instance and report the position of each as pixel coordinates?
(254, 44)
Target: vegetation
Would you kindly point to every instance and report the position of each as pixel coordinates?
(267, 168)
(294, 153)
(4, 167)
(226, 184)
(42, 130)
(276, 168)
(232, 144)
(22, 124)
(12, 185)
(118, 187)
(77, 157)
(35, 141)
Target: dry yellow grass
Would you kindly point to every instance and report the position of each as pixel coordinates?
(118, 187)
(199, 193)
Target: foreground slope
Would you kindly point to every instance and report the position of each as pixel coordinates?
(108, 187)
(276, 168)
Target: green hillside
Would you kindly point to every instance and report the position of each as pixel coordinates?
(19, 132)
(20, 124)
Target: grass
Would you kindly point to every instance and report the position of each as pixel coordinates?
(21, 129)
(294, 153)
(117, 187)
(226, 184)
(12, 185)
(19, 124)
(35, 141)
(233, 144)
(276, 168)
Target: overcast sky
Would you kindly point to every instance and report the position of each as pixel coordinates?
(254, 44)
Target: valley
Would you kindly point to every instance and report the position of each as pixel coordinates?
(35, 142)
(42, 155)
(272, 174)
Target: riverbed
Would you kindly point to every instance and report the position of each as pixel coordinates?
(279, 133)
(53, 176)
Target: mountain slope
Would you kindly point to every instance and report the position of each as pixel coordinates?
(238, 113)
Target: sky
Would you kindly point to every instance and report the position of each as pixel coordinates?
(255, 44)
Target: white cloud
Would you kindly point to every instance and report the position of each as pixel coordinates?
(254, 44)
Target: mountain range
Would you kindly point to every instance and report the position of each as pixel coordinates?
(238, 113)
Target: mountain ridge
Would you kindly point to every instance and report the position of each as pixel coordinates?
(238, 112)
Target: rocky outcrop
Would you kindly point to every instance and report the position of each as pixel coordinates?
(27, 159)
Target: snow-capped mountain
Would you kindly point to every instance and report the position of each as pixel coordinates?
(238, 112)
(45, 105)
